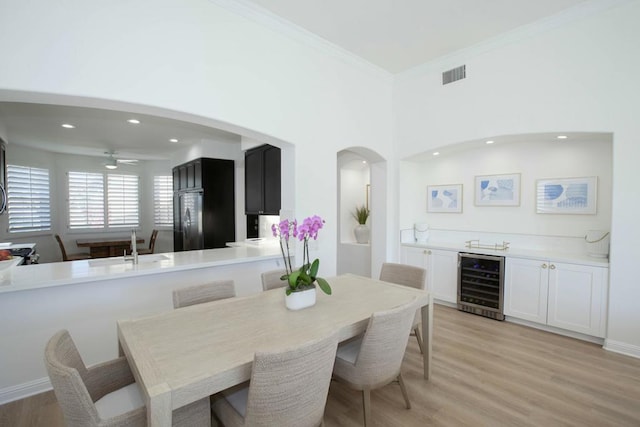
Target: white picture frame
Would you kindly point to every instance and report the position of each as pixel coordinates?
(444, 198)
(567, 195)
(497, 190)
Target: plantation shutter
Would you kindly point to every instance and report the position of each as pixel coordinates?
(86, 200)
(28, 196)
(163, 200)
(122, 200)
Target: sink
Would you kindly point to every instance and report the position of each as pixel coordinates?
(142, 259)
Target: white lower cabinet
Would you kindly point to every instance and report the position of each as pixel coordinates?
(442, 270)
(567, 296)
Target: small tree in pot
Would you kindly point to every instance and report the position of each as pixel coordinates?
(361, 231)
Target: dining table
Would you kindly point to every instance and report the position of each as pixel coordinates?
(183, 355)
(102, 247)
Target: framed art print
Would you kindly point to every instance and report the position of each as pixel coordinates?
(444, 198)
(567, 195)
(497, 190)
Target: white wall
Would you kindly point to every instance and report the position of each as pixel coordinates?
(580, 76)
(197, 58)
(532, 159)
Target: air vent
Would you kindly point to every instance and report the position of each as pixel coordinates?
(455, 74)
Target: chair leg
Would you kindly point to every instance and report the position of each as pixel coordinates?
(366, 405)
(416, 331)
(404, 391)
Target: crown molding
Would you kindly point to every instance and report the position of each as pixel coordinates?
(280, 25)
(576, 13)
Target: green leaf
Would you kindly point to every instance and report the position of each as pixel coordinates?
(324, 285)
(293, 279)
(314, 268)
(288, 291)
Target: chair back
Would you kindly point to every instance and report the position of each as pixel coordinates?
(68, 374)
(403, 274)
(152, 240)
(271, 279)
(64, 252)
(290, 388)
(207, 292)
(384, 344)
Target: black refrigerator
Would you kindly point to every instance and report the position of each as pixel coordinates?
(204, 204)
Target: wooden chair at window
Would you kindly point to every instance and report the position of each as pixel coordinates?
(70, 257)
(152, 244)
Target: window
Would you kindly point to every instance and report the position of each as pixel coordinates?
(122, 200)
(163, 200)
(90, 207)
(28, 197)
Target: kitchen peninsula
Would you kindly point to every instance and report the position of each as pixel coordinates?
(87, 297)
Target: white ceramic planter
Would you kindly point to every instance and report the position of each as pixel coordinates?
(302, 299)
(362, 233)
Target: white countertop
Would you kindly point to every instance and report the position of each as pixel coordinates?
(546, 255)
(27, 277)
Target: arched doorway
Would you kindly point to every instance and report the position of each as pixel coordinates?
(362, 177)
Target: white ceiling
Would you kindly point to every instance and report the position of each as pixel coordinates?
(395, 35)
(98, 131)
(400, 34)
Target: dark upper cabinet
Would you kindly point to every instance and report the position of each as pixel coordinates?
(262, 180)
(203, 204)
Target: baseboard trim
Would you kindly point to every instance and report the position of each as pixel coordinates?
(622, 348)
(23, 390)
(559, 331)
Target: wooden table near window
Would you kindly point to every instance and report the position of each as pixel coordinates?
(180, 356)
(108, 246)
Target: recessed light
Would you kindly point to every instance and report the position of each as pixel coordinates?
(562, 137)
(364, 162)
(134, 121)
(68, 126)
(489, 142)
(173, 140)
(436, 153)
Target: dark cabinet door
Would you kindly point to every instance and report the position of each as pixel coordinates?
(272, 181)
(262, 181)
(253, 178)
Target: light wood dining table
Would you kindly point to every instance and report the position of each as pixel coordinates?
(183, 355)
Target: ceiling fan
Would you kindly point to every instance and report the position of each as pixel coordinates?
(112, 162)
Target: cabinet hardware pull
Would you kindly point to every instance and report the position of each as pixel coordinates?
(544, 265)
(552, 266)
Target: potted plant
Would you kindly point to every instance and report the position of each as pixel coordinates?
(301, 290)
(361, 231)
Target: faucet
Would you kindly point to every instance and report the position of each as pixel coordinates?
(134, 250)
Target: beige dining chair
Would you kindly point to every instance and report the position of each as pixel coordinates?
(152, 244)
(271, 279)
(374, 360)
(104, 395)
(70, 257)
(287, 388)
(407, 275)
(198, 294)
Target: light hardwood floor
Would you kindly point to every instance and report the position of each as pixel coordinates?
(485, 373)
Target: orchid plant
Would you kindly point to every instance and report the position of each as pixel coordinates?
(304, 277)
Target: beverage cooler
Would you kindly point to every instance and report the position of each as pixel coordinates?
(481, 284)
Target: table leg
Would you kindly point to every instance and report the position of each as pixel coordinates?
(427, 335)
(159, 411)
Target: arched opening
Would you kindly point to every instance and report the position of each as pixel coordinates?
(361, 184)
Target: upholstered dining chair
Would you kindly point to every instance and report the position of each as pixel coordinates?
(212, 291)
(70, 257)
(105, 394)
(271, 279)
(152, 244)
(407, 275)
(374, 360)
(287, 388)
